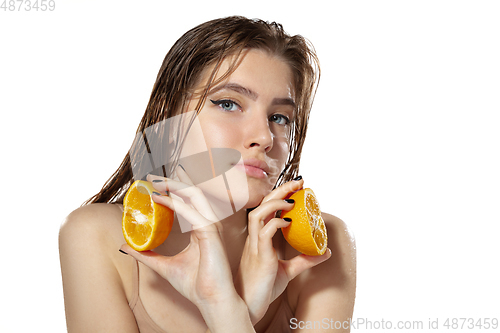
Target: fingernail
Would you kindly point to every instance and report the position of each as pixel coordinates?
(297, 178)
(156, 193)
(290, 200)
(123, 251)
(287, 219)
(157, 180)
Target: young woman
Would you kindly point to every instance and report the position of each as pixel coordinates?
(251, 87)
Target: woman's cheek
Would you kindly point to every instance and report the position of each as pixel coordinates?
(221, 134)
(283, 150)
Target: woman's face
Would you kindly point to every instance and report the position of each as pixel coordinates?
(251, 112)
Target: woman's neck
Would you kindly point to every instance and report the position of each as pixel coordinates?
(235, 227)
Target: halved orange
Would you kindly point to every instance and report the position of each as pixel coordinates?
(307, 232)
(145, 224)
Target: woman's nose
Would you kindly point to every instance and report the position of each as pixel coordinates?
(258, 134)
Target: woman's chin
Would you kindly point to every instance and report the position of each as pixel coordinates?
(257, 190)
(251, 205)
(255, 198)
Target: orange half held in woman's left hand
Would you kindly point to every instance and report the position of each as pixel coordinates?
(307, 232)
(145, 224)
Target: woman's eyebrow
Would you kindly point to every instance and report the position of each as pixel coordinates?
(251, 94)
(283, 101)
(237, 88)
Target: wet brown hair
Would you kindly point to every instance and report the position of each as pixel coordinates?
(209, 44)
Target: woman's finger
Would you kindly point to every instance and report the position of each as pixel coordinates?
(284, 190)
(300, 263)
(266, 234)
(163, 184)
(258, 217)
(189, 193)
(183, 176)
(153, 260)
(193, 216)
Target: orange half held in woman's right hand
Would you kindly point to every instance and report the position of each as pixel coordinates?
(145, 224)
(307, 232)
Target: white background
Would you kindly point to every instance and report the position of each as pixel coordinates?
(403, 143)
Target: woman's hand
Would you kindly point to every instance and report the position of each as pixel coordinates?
(262, 277)
(201, 272)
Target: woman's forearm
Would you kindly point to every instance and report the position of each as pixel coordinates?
(226, 316)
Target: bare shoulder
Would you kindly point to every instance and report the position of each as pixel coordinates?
(95, 275)
(340, 239)
(92, 235)
(102, 222)
(333, 279)
(340, 269)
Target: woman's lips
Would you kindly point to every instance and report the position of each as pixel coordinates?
(252, 171)
(254, 168)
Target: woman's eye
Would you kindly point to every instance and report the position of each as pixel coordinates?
(279, 119)
(226, 104)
